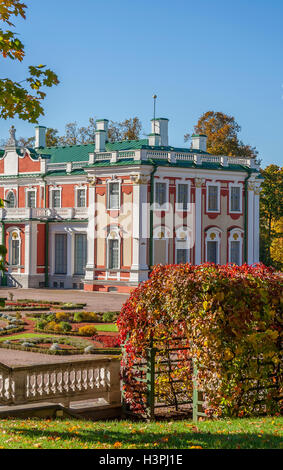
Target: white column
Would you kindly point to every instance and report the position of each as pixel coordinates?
(27, 248)
(139, 268)
(70, 253)
(256, 224)
(33, 244)
(89, 273)
(198, 217)
(250, 259)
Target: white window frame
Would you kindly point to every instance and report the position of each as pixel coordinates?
(8, 191)
(55, 188)
(12, 231)
(28, 190)
(178, 204)
(183, 236)
(113, 235)
(236, 185)
(77, 189)
(165, 206)
(213, 234)
(235, 235)
(108, 194)
(208, 184)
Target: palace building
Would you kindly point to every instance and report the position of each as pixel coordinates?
(99, 216)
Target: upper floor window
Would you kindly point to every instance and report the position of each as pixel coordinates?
(212, 198)
(10, 200)
(81, 197)
(113, 195)
(182, 196)
(235, 199)
(160, 194)
(55, 198)
(31, 198)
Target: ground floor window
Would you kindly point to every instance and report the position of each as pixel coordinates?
(113, 254)
(212, 249)
(235, 254)
(60, 253)
(15, 258)
(80, 254)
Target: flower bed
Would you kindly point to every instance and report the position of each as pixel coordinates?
(10, 324)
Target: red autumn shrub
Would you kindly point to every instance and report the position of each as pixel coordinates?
(107, 341)
(231, 317)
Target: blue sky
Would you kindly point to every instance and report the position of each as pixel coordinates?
(111, 56)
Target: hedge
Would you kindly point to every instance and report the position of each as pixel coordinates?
(231, 318)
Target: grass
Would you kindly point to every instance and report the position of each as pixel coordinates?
(253, 433)
(80, 342)
(106, 327)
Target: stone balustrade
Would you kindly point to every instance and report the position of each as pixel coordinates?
(61, 382)
(64, 213)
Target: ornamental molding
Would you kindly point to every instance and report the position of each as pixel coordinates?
(139, 179)
(199, 182)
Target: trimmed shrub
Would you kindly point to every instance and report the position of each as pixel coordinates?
(87, 330)
(62, 316)
(65, 326)
(231, 319)
(109, 316)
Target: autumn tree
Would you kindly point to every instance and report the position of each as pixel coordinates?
(22, 98)
(222, 135)
(129, 129)
(271, 212)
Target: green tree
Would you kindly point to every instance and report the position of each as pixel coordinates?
(17, 99)
(271, 211)
(222, 135)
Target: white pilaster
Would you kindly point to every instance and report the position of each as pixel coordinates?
(250, 259)
(198, 216)
(70, 251)
(28, 248)
(256, 224)
(33, 250)
(139, 268)
(89, 273)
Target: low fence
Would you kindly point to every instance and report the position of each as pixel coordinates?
(61, 382)
(158, 382)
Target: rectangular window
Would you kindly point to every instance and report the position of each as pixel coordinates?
(113, 254)
(182, 255)
(81, 198)
(160, 193)
(56, 198)
(182, 196)
(80, 253)
(212, 252)
(113, 195)
(15, 252)
(235, 199)
(31, 199)
(212, 198)
(235, 256)
(60, 253)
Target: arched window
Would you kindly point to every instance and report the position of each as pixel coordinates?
(10, 199)
(212, 245)
(14, 248)
(235, 241)
(183, 238)
(113, 249)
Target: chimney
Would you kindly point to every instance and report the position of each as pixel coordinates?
(100, 139)
(40, 137)
(199, 142)
(160, 126)
(154, 140)
(102, 125)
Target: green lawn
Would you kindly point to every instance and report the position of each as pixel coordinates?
(254, 433)
(80, 342)
(106, 327)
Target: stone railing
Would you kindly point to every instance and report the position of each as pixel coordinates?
(181, 156)
(42, 213)
(61, 382)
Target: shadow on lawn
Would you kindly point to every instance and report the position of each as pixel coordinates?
(173, 440)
